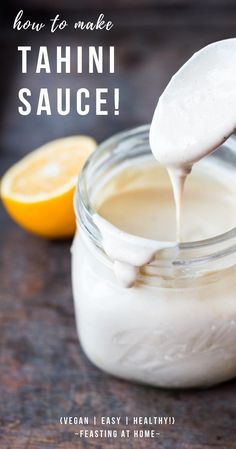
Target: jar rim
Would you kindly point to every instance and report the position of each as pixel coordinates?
(84, 210)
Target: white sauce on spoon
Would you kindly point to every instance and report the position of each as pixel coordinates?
(195, 113)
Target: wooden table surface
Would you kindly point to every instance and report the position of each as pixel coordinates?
(44, 373)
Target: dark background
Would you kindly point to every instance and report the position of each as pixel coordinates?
(44, 374)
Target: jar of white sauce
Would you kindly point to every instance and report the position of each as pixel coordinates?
(176, 325)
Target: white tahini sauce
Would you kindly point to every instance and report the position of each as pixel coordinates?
(176, 327)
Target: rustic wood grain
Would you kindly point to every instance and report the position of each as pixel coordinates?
(44, 373)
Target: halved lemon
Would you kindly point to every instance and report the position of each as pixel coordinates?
(38, 190)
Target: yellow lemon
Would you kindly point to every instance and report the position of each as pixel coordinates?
(38, 190)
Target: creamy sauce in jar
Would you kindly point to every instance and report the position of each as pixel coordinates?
(148, 211)
(176, 326)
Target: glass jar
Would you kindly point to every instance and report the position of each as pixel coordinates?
(176, 327)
